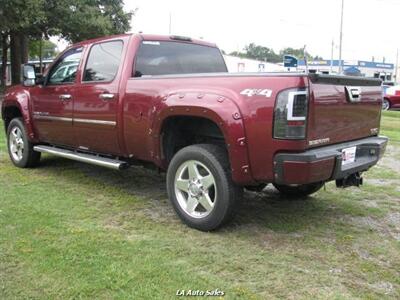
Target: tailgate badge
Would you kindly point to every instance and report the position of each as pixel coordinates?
(319, 141)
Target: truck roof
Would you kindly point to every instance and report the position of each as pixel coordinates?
(147, 37)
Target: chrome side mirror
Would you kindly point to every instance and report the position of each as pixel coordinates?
(28, 75)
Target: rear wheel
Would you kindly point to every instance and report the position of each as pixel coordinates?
(385, 104)
(200, 187)
(20, 148)
(298, 191)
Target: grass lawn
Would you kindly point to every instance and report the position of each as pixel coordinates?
(70, 230)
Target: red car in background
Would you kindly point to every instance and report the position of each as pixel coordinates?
(391, 98)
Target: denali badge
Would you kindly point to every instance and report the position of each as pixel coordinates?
(256, 92)
(318, 142)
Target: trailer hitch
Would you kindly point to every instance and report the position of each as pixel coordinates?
(354, 179)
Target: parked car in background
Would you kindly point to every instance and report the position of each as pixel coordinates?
(391, 97)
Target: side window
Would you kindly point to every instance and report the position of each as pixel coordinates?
(103, 62)
(64, 71)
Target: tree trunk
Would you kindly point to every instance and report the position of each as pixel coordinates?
(15, 47)
(24, 48)
(4, 48)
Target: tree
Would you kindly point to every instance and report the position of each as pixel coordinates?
(262, 53)
(18, 18)
(299, 53)
(74, 20)
(4, 42)
(77, 20)
(42, 48)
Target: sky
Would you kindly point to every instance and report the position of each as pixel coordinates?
(370, 27)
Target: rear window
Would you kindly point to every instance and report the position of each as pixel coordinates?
(163, 58)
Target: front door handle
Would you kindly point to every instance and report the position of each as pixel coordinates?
(65, 97)
(106, 96)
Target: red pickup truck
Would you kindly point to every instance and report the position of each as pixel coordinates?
(168, 100)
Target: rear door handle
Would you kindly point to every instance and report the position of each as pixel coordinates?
(65, 97)
(106, 96)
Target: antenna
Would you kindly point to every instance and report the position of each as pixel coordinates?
(170, 23)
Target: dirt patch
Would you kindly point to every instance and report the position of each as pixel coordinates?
(389, 159)
(389, 226)
(383, 287)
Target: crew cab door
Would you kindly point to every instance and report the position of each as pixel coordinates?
(96, 99)
(53, 101)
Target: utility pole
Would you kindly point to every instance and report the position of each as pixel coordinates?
(397, 65)
(41, 55)
(305, 58)
(341, 40)
(331, 69)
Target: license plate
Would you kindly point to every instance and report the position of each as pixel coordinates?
(348, 155)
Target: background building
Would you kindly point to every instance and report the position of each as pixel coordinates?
(237, 64)
(385, 71)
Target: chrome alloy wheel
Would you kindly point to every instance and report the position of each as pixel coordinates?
(16, 144)
(385, 104)
(195, 189)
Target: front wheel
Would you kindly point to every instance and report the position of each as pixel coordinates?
(298, 191)
(385, 104)
(200, 187)
(20, 148)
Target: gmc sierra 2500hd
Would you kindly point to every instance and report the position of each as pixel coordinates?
(169, 100)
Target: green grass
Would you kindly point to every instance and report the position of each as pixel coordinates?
(70, 230)
(391, 125)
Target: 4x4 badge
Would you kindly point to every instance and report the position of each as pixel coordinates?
(256, 92)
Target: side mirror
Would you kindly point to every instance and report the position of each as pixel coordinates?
(28, 75)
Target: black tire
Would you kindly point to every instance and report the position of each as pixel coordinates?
(30, 158)
(227, 194)
(298, 191)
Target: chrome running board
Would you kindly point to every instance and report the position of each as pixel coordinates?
(83, 157)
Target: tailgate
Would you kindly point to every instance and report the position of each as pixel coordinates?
(342, 109)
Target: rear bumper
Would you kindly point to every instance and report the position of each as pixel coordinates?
(325, 163)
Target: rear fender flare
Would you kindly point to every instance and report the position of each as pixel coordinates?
(218, 109)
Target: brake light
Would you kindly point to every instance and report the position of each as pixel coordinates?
(290, 115)
(397, 93)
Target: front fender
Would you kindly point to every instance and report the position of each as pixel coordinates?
(218, 109)
(19, 97)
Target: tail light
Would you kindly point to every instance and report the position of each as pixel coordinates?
(290, 116)
(397, 93)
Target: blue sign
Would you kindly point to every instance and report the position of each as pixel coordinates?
(289, 61)
(359, 63)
